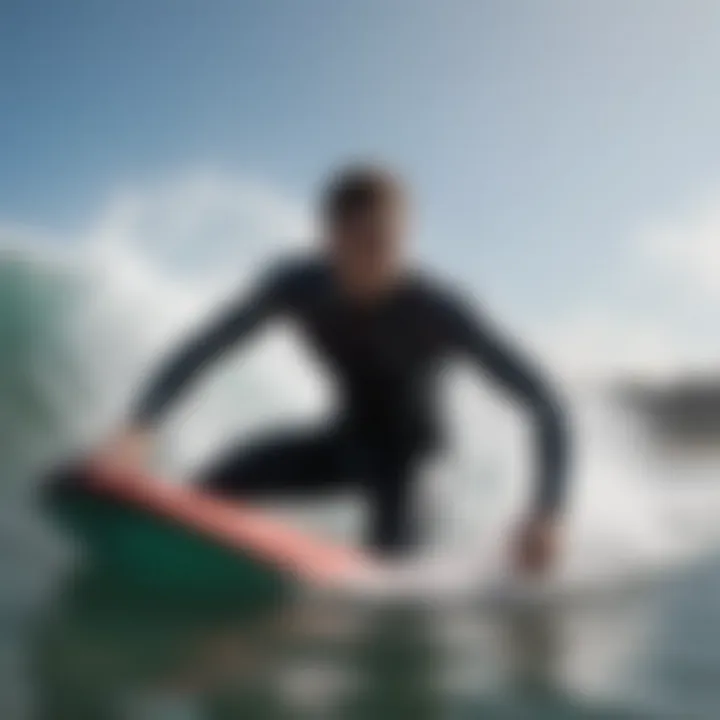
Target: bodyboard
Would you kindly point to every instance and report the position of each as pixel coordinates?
(180, 539)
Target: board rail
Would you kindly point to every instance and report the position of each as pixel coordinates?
(233, 524)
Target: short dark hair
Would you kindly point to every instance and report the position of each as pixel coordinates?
(357, 188)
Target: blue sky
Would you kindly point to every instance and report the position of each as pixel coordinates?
(539, 135)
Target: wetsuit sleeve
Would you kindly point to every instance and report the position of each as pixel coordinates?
(231, 327)
(485, 346)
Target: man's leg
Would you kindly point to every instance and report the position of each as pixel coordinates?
(286, 465)
(305, 465)
(394, 526)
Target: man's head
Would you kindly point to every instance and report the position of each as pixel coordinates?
(364, 214)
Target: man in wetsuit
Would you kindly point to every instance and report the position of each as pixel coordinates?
(385, 332)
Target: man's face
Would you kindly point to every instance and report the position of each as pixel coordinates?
(366, 249)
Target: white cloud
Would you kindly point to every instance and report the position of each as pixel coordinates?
(670, 288)
(686, 248)
(200, 223)
(595, 344)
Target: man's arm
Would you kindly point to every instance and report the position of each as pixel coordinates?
(231, 327)
(507, 366)
(129, 449)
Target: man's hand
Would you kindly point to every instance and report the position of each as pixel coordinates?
(128, 450)
(537, 545)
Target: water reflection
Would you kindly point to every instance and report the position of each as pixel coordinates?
(103, 652)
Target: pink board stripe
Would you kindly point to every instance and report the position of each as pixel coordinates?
(232, 524)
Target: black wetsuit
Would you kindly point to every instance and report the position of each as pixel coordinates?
(385, 359)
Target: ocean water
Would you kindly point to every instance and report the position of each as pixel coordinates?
(628, 627)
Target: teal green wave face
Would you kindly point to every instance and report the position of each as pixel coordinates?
(41, 386)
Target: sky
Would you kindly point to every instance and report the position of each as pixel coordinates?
(564, 154)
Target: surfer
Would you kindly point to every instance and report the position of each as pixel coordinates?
(385, 331)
